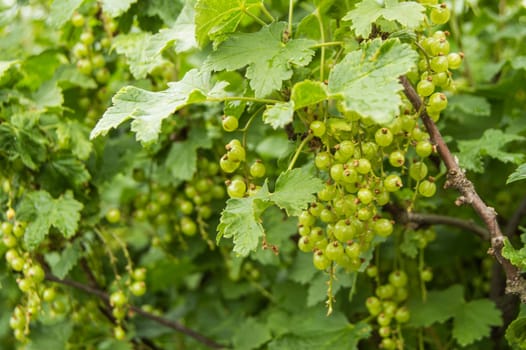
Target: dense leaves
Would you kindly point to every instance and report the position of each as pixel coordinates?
(253, 174)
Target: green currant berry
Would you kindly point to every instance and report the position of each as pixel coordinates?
(424, 148)
(383, 227)
(397, 158)
(455, 60)
(383, 137)
(77, 20)
(257, 169)
(113, 216)
(318, 128)
(228, 165)
(118, 299)
(320, 261)
(322, 160)
(392, 183)
(439, 64)
(188, 226)
(229, 123)
(425, 87)
(427, 188)
(334, 250)
(402, 315)
(441, 14)
(398, 278)
(418, 171)
(138, 288)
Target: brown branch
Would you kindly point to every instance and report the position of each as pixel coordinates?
(468, 195)
(165, 322)
(434, 219)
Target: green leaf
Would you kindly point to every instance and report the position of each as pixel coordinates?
(516, 334)
(307, 93)
(240, 220)
(252, 334)
(62, 10)
(302, 270)
(61, 263)
(516, 256)
(367, 79)
(48, 95)
(43, 212)
(279, 114)
(77, 135)
(69, 168)
(519, 62)
(439, 306)
(148, 109)
(491, 144)
(473, 321)
(144, 50)
(54, 336)
(312, 330)
(5, 65)
(518, 174)
(295, 189)
(116, 8)
(215, 18)
(469, 105)
(269, 60)
(408, 14)
(182, 158)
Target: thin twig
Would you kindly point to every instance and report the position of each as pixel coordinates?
(435, 219)
(515, 219)
(168, 323)
(457, 179)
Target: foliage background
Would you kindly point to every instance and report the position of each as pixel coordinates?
(63, 184)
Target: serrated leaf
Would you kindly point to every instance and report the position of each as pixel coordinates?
(116, 8)
(269, 60)
(518, 174)
(148, 109)
(516, 256)
(144, 50)
(439, 306)
(61, 263)
(279, 114)
(76, 134)
(468, 105)
(62, 10)
(71, 169)
(215, 18)
(516, 334)
(490, 144)
(473, 321)
(295, 189)
(302, 270)
(312, 330)
(252, 334)
(42, 211)
(367, 12)
(307, 93)
(182, 158)
(240, 220)
(367, 79)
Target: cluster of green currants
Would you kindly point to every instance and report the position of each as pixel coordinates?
(364, 167)
(386, 306)
(119, 300)
(436, 62)
(192, 201)
(231, 161)
(88, 52)
(30, 277)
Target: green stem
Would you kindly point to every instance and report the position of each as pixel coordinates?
(420, 269)
(322, 58)
(267, 13)
(291, 12)
(254, 17)
(242, 98)
(298, 151)
(328, 43)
